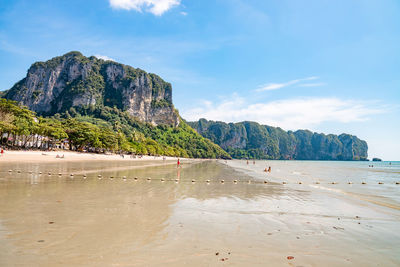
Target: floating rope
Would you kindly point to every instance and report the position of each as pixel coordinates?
(235, 181)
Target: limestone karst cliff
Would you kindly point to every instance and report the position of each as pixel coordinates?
(252, 140)
(73, 80)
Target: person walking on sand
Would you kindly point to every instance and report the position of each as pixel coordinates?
(269, 169)
(178, 163)
(2, 152)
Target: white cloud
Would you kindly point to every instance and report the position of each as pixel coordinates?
(312, 84)
(295, 113)
(275, 86)
(104, 57)
(157, 7)
(183, 13)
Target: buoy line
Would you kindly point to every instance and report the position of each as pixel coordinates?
(193, 181)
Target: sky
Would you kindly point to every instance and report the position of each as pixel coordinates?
(327, 66)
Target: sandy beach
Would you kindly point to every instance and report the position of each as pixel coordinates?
(70, 156)
(206, 213)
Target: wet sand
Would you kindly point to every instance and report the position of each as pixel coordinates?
(52, 220)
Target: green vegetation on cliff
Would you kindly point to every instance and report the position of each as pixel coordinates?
(255, 141)
(101, 130)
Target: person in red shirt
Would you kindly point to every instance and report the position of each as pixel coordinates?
(2, 151)
(179, 163)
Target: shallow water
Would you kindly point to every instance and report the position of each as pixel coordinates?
(348, 177)
(51, 220)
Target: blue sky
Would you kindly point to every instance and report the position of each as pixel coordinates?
(327, 66)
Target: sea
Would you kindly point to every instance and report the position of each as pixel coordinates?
(202, 213)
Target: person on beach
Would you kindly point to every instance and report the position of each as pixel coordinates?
(2, 151)
(269, 169)
(178, 163)
(247, 162)
(254, 162)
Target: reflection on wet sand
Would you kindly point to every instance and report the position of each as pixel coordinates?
(86, 221)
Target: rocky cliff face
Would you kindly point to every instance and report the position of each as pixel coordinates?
(252, 140)
(74, 80)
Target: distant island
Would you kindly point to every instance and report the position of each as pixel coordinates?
(89, 104)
